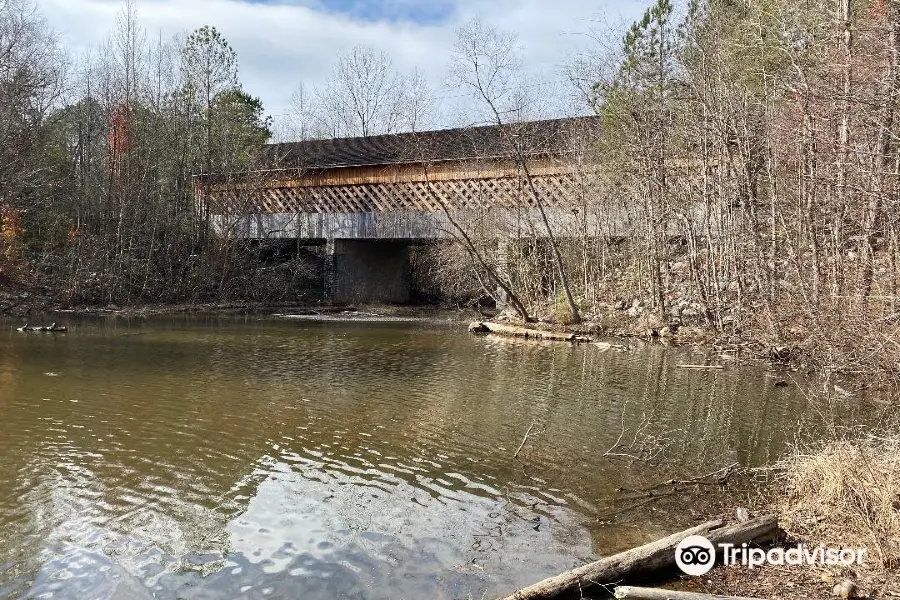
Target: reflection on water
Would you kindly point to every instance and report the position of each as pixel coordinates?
(266, 458)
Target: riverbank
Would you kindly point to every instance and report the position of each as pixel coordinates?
(835, 341)
(22, 303)
(843, 493)
(728, 348)
(16, 301)
(602, 328)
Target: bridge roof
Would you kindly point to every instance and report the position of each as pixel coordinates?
(548, 137)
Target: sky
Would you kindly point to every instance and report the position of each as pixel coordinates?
(283, 43)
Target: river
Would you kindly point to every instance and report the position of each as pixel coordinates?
(261, 457)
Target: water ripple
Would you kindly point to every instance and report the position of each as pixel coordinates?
(260, 459)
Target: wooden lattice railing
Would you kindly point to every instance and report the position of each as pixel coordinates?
(434, 196)
(450, 185)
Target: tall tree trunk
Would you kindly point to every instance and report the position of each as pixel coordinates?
(837, 211)
(883, 160)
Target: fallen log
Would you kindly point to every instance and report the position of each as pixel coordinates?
(524, 332)
(640, 593)
(53, 328)
(644, 560)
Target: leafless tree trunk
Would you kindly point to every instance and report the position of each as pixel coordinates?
(485, 61)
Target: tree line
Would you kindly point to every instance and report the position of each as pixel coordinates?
(744, 176)
(756, 142)
(98, 154)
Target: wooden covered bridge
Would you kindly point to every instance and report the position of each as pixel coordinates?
(369, 198)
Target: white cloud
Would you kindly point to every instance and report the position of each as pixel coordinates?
(282, 45)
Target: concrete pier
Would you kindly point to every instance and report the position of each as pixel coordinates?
(367, 271)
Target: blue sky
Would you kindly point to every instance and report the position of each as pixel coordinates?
(423, 12)
(284, 43)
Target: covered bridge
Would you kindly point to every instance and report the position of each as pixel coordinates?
(369, 198)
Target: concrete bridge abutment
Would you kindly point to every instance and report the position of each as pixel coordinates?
(367, 271)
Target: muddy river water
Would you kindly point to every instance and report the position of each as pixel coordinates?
(259, 457)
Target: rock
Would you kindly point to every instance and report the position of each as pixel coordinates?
(780, 353)
(669, 330)
(742, 514)
(845, 589)
(781, 383)
(620, 305)
(690, 312)
(603, 346)
(478, 328)
(634, 312)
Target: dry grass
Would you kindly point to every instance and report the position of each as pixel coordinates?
(847, 494)
(844, 494)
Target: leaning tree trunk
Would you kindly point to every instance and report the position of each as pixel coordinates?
(554, 246)
(470, 247)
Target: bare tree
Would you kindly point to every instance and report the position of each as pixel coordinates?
(415, 102)
(486, 62)
(301, 122)
(32, 81)
(359, 99)
(364, 96)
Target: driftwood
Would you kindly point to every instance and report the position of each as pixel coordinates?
(640, 593)
(53, 328)
(646, 559)
(524, 439)
(524, 332)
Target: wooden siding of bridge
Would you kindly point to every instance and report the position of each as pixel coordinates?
(453, 185)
